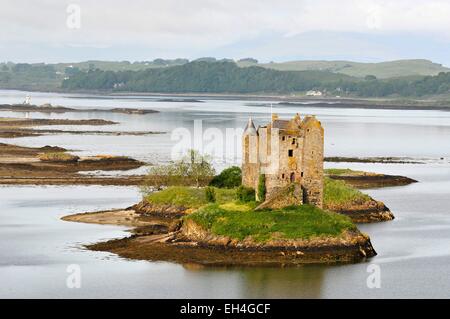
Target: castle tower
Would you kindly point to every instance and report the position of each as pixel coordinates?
(312, 161)
(250, 160)
(286, 152)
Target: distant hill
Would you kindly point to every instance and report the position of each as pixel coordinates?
(382, 70)
(227, 77)
(121, 65)
(208, 75)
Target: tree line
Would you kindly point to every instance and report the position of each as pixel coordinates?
(205, 77)
(227, 77)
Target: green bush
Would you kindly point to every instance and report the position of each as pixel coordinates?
(245, 194)
(229, 178)
(262, 188)
(210, 194)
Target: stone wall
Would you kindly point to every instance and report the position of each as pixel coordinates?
(312, 164)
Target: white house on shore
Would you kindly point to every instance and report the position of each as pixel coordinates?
(314, 93)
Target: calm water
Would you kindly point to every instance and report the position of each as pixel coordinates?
(36, 247)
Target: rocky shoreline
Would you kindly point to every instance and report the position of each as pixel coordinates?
(22, 166)
(370, 212)
(159, 237)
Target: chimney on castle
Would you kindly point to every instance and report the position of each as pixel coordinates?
(274, 117)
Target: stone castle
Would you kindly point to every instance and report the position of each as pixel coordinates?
(285, 152)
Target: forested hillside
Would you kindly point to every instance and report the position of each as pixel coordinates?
(227, 77)
(207, 77)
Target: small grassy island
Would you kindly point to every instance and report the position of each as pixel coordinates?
(184, 224)
(228, 216)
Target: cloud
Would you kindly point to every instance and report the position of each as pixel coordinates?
(188, 28)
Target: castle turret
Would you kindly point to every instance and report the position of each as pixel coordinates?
(312, 161)
(250, 162)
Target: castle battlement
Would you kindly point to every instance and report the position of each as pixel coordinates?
(285, 152)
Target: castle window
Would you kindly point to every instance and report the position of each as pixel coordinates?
(301, 174)
(283, 138)
(282, 175)
(293, 141)
(291, 153)
(292, 177)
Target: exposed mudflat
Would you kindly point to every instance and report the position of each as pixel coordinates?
(385, 160)
(21, 166)
(47, 108)
(372, 180)
(14, 127)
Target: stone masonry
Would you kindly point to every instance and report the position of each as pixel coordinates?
(286, 152)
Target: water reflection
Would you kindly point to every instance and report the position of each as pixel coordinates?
(413, 250)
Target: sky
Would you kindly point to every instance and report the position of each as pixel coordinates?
(268, 30)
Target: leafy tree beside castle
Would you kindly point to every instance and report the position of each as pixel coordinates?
(194, 169)
(229, 178)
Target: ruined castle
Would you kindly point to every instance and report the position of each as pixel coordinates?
(285, 152)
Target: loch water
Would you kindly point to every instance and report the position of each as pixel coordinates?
(37, 248)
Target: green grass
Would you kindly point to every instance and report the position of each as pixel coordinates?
(239, 206)
(189, 197)
(338, 192)
(299, 222)
(335, 193)
(343, 171)
(228, 217)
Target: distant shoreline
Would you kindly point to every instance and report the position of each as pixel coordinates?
(283, 100)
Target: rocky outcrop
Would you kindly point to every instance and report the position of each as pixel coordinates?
(368, 212)
(351, 239)
(287, 196)
(169, 211)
